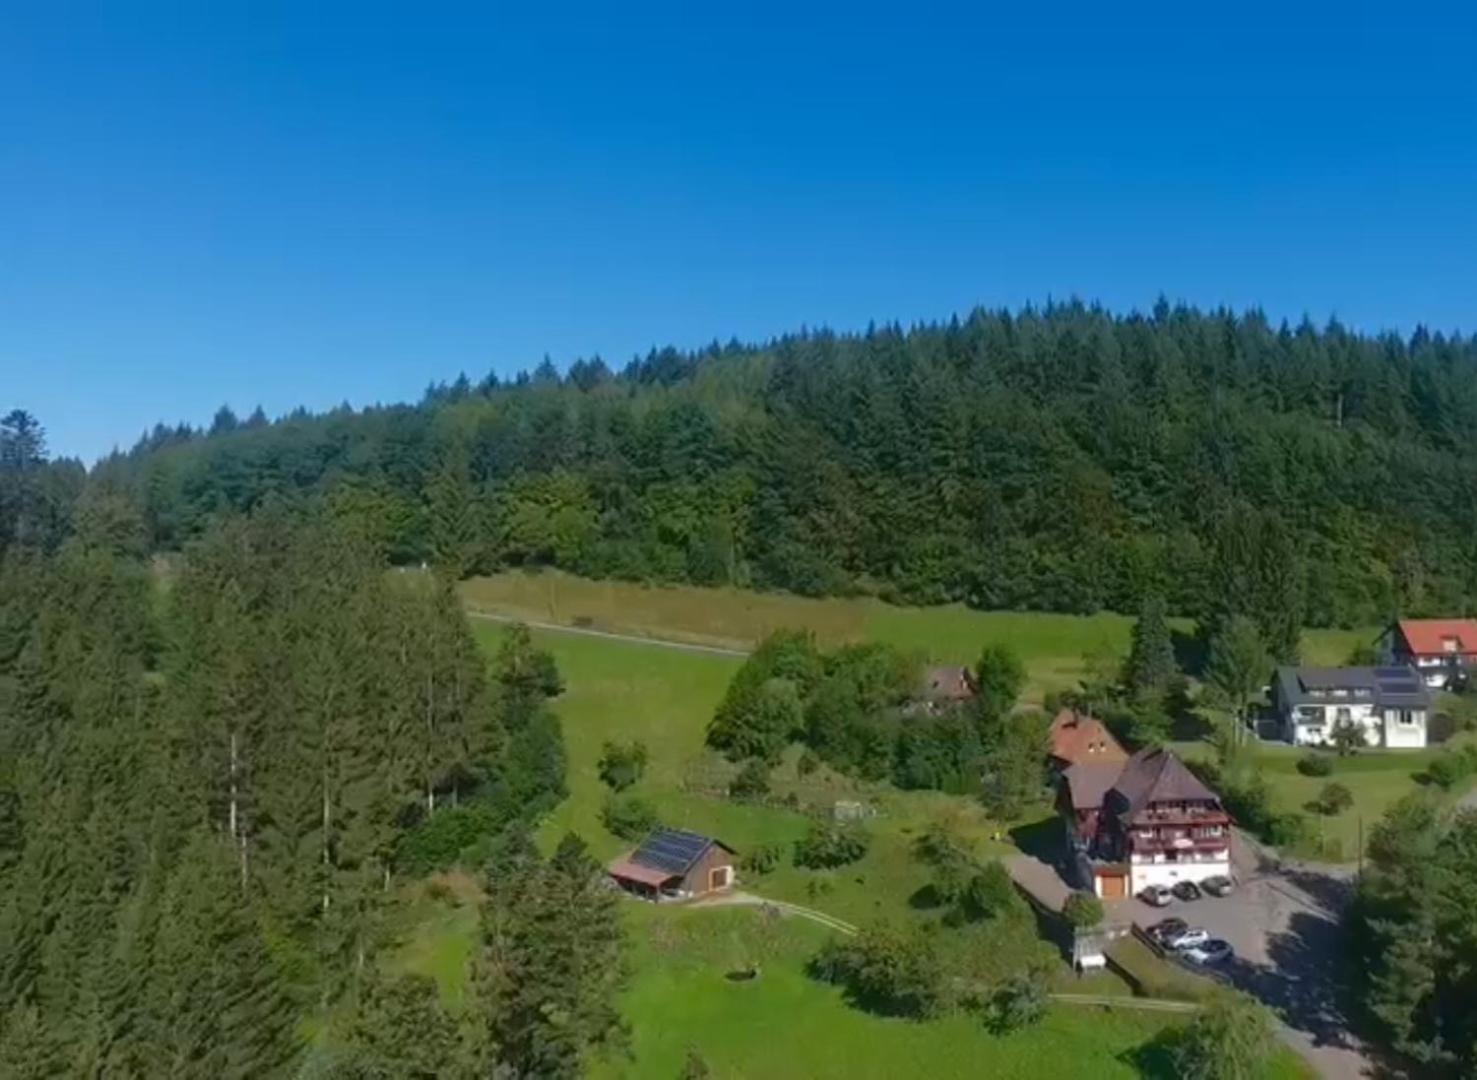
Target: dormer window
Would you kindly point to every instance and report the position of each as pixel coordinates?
(1450, 645)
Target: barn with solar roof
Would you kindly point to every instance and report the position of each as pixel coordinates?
(1390, 705)
(672, 864)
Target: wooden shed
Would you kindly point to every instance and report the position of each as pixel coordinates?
(672, 864)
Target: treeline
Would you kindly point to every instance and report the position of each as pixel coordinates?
(1061, 458)
(211, 783)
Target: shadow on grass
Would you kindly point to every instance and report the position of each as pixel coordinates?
(925, 898)
(1041, 840)
(1155, 1059)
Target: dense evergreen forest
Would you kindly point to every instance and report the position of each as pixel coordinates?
(212, 782)
(1061, 458)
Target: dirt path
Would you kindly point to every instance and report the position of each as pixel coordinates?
(744, 899)
(609, 635)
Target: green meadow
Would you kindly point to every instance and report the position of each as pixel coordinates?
(786, 1024)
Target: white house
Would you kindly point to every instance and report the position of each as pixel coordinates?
(1389, 705)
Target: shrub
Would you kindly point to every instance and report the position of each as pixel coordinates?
(828, 845)
(622, 764)
(1020, 1002)
(1312, 764)
(763, 860)
(1450, 768)
(751, 783)
(630, 817)
(1335, 798)
(1286, 830)
(437, 843)
(809, 762)
(885, 969)
(990, 894)
(1083, 910)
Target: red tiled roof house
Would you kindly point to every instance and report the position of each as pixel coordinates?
(1078, 738)
(1442, 650)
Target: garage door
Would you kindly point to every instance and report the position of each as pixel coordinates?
(1115, 886)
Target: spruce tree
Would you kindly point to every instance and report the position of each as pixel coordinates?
(1150, 669)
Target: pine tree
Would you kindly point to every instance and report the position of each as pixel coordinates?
(553, 963)
(1150, 669)
(455, 531)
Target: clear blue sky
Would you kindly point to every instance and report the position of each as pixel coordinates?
(306, 203)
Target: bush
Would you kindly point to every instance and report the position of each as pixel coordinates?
(1020, 1002)
(1450, 768)
(828, 845)
(622, 764)
(630, 817)
(438, 842)
(1286, 830)
(1083, 910)
(1335, 798)
(763, 860)
(751, 783)
(1311, 764)
(809, 762)
(885, 969)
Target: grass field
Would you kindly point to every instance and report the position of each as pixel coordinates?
(623, 690)
(1052, 646)
(786, 1025)
(1376, 779)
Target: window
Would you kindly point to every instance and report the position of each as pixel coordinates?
(1342, 715)
(1450, 645)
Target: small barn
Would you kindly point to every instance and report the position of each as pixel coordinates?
(672, 864)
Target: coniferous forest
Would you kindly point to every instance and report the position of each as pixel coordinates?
(1061, 459)
(216, 767)
(210, 781)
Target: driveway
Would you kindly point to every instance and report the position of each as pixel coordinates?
(1283, 922)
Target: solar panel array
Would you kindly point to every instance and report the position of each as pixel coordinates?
(671, 851)
(1392, 673)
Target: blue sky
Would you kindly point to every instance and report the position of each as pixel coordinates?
(302, 204)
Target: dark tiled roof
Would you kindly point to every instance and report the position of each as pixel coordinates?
(1397, 687)
(948, 684)
(1087, 782)
(1156, 775)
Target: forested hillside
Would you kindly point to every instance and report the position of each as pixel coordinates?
(1061, 458)
(212, 785)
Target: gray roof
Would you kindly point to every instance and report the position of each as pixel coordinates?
(1089, 781)
(1394, 687)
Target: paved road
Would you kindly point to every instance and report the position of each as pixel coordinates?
(585, 631)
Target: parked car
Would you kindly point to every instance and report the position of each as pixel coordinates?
(1219, 885)
(1191, 938)
(1156, 896)
(1166, 929)
(1186, 890)
(1213, 951)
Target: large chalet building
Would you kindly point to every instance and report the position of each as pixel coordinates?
(1141, 822)
(1442, 650)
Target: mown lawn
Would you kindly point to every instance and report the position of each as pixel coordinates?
(786, 1025)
